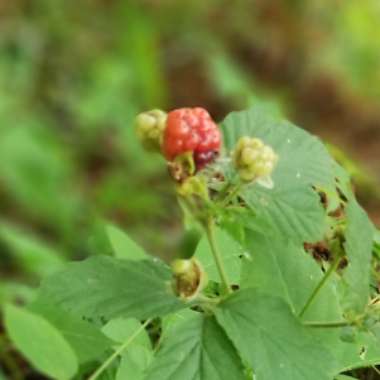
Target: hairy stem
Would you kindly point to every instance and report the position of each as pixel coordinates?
(323, 281)
(118, 352)
(223, 191)
(210, 229)
(231, 195)
(376, 369)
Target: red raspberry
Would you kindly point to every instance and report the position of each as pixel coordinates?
(191, 130)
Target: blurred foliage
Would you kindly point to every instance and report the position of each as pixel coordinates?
(74, 74)
(71, 82)
(353, 52)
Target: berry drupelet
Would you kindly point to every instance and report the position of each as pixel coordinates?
(191, 130)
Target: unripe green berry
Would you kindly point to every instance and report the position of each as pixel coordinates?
(150, 127)
(253, 159)
(248, 155)
(193, 186)
(181, 266)
(189, 278)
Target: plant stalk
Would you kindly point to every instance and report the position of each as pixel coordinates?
(327, 324)
(323, 281)
(231, 195)
(119, 351)
(210, 229)
(376, 369)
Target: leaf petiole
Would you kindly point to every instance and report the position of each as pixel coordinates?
(210, 230)
(233, 193)
(328, 324)
(119, 351)
(354, 322)
(327, 275)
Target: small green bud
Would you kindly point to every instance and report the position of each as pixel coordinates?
(150, 127)
(193, 186)
(189, 278)
(253, 159)
(181, 266)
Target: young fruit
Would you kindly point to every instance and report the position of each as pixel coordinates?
(253, 159)
(191, 130)
(193, 186)
(150, 127)
(189, 278)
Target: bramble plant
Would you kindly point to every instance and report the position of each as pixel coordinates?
(275, 279)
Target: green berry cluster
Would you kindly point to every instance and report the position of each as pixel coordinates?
(150, 128)
(253, 159)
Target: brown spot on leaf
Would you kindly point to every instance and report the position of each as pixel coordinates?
(320, 250)
(322, 197)
(338, 213)
(341, 195)
(343, 263)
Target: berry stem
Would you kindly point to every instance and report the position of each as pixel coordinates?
(327, 275)
(210, 230)
(118, 352)
(224, 190)
(231, 195)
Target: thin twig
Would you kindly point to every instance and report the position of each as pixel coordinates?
(118, 352)
(210, 229)
(323, 281)
(231, 195)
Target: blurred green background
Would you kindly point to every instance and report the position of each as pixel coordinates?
(73, 75)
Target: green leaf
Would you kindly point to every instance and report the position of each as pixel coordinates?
(344, 377)
(41, 343)
(189, 242)
(134, 362)
(108, 374)
(124, 247)
(376, 240)
(106, 287)
(85, 338)
(363, 352)
(376, 237)
(120, 329)
(169, 322)
(230, 251)
(136, 359)
(289, 210)
(197, 349)
(271, 339)
(280, 267)
(343, 180)
(302, 157)
(358, 246)
(10, 291)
